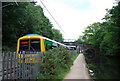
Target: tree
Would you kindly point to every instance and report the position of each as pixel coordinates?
(92, 34)
(25, 19)
(57, 35)
(112, 33)
(105, 35)
(80, 40)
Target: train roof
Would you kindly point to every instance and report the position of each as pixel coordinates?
(39, 36)
(33, 35)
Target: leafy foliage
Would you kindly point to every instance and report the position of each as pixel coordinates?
(106, 68)
(105, 35)
(25, 19)
(57, 35)
(55, 61)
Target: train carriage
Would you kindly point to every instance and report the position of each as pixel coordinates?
(30, 44)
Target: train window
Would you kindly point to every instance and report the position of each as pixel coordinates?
(35, 44)
(30, 45)
(24, 45)
(48, 46)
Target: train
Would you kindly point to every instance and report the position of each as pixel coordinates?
(35, 43)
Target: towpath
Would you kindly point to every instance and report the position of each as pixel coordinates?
(79, 69)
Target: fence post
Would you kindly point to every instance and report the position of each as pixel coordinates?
(30, 70)
(31, 73)
(25, 67)
(11, 65)
(3, 59)
(17, 66)
(23, 63)
(7, 65)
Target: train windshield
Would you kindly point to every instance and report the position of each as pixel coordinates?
(30, 45)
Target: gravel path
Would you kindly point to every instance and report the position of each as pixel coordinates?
(78, 70)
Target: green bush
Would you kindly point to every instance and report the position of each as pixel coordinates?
(55, 61)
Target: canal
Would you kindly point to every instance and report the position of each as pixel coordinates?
(105, 68)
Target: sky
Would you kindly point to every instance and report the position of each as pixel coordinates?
(74, 16)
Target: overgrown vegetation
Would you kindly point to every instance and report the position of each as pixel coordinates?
(106, 68)
(105, 35)
(56, 63)
(27, 18)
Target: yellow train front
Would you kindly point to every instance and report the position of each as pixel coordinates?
(30, 47)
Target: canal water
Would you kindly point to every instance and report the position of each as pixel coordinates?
(106, 68)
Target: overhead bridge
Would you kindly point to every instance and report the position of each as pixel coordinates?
(74, 45)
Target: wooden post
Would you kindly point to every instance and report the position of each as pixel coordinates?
(7, 65)
(11, 65)
(16, 66)
(3, 60)
(23, 63)
(30, 68)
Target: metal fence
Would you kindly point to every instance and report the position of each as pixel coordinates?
(20, 65)
(23, 65)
